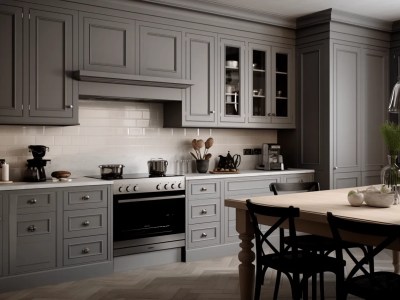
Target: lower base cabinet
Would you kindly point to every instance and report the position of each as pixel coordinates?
(210, 226)
(52, 235)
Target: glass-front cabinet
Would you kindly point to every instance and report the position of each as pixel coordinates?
(282, 110)
(259, 84)
(232, 66)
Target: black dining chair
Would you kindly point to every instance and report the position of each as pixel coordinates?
(296, 264)
(313, 243)
(365, 282)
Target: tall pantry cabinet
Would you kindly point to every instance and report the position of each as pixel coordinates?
(343, 93)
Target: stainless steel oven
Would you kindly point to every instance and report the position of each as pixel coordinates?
(148, 213)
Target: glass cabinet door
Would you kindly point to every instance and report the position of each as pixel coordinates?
(259, 83)
(232, 64)
(282, 89)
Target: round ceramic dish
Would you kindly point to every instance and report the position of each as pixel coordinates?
(377, 199)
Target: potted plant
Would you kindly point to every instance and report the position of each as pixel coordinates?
(390, 173)
(202, 157)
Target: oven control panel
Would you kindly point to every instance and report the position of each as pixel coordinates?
(149, 185)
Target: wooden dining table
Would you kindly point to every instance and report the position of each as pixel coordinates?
(313, 209)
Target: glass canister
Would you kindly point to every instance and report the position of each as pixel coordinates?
(390, 176)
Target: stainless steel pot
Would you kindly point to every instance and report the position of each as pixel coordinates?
(157, 167)
(111, 171)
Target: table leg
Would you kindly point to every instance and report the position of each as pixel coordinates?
(396, 261)
(246, 255)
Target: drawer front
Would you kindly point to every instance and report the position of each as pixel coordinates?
(202, 189)
(86, 197)
(36, 224)
(201, 211)
(249, 187)
(204, 235)
(85, 249)
(34, 202)
(294, 178)
(85, 222)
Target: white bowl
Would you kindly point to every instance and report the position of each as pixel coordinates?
(378, 199)
(232, 63)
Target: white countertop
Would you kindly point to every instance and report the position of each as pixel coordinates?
(82, 181)
(247, 173)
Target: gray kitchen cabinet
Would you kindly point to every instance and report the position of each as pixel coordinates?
(210, 226)
(232, 87)
(46, 57)
(11, 35)
(282, 88)
(32, 244)
(107, 44)
(343, 95)
(201, 68)
(86, 225)
(62, 233)
(259, 92)
(203, 211)
(160, 50)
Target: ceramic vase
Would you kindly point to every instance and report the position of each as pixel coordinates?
(202, 165)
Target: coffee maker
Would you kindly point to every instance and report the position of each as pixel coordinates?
(35, 167)
(270, 158)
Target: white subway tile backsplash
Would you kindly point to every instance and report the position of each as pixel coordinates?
(129, 133)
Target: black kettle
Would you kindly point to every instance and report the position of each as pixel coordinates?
(229, 162)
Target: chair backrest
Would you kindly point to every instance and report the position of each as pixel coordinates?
(278, 188)
(282, 214)
(385, 234)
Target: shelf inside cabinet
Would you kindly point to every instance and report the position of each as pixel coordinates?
(259, 70)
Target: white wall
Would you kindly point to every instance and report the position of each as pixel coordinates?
(128, 133)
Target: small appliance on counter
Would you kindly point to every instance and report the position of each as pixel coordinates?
(35, 168)
(270, 158)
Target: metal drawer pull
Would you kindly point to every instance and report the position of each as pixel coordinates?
(31, 228)
(86, 197)
(69, 106)
(204, 211)
(204, 234)
(85, 250)
(32, 201)
(203, 189)
(86, 223)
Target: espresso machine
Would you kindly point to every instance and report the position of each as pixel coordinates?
(270, 158)
(35, 167)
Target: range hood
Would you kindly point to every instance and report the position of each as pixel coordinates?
(108, 86)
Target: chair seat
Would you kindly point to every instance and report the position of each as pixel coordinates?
(318, 243)
(385, 285)
(306, 262)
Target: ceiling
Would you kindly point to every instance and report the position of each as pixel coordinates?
(386, 10)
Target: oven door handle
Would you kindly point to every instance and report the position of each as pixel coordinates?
(151, 198)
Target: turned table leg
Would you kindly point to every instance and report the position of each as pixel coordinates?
(396, 261)
(246, 255)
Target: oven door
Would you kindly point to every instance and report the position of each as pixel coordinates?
(148, 221)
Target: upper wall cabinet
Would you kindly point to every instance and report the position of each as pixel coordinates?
(39, 72)
(11, 74)
(233, 64)
(160, 50)
(108, 43)
(201, 68)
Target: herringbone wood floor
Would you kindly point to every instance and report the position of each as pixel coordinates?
(202, 280)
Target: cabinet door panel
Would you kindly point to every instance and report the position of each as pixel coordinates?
(375, 72)
(32, 243)
(346, 180)
(233, 64)
(1, 235)
(10, 62)
(51, 62)
(201, 69)
(160, 52)
(347, 108)
(108, 44)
